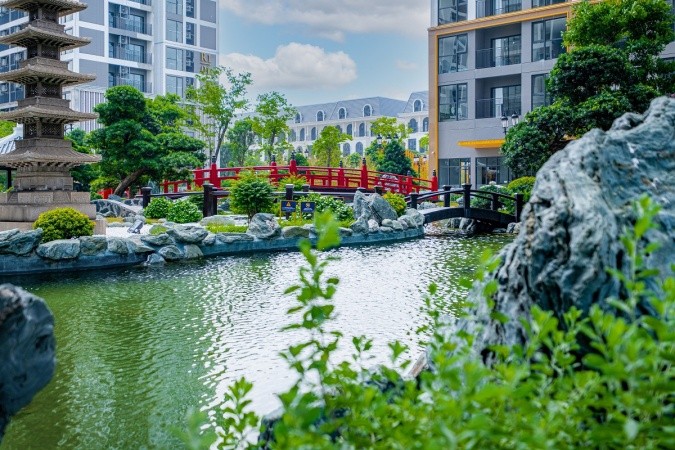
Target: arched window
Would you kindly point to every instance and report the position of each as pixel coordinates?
(342, 113)
(425, 125)
(362, 130)
(346, 149)
(292, 137)
(350, 130)
(413, 126)
(320, 116)
(312, 134)
(302, 134)
(339, 128)
(417, 106)
(367, 111)
(359, 148)
(298, 118)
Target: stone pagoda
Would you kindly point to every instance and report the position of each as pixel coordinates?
(43, 158)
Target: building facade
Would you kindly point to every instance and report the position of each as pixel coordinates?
(488, 59)
(156, 46)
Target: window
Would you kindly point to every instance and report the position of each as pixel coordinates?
(174, 30)
(455, 171)
(359, 148)
(190, 8)
(485, 8)
(540, 96)
(453, 102)
(367, 111)
(452, 53)
(175, 85)
(490, 170)
(505, 51)
(547, 39)
(190, 33)
(412, 144)
(136, 80)
(135, 23)
(320, 116)
(346, 149)
(413, 126)
(538, 3)
(298, 119)
(417, 106)
(302, 134)
(174, 6)
(292, 136)
(342, 113)
(135, 52)
(350, 130)
(362, 130)
(174, 58)
(450, 11)
(312, 134)
(425, 125)
(189, 61)
(505, 101)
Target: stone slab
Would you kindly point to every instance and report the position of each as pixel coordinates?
(30, 212)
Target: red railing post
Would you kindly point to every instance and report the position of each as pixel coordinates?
(341, 176)
(165, 187)
(409, 183)
(213, 173)
(364, 174)
(293, 166)
(274, 172)
(198, 175)
(434, 181)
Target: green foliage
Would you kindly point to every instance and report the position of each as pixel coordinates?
(388, 127)
(158, 208)
(83, 175)
(220, 228)
(158, 229)
(394, 160)
(397, 201)
(487, 203)
(63, 223)
(6, 128)
(272, 113)
(296, 180)
(300, 159)
(326, 148)
(424, 143)
(240, 138)
(522, 185)
(184, 212)
(325, 203)
(251, 195)
(354, 160)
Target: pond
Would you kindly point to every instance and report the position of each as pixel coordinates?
(138, 348)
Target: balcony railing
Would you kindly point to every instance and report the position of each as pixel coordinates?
(486, 8)
(145, 87)
(125, 54)
(122, 23)
(490, 57)
(497, 107)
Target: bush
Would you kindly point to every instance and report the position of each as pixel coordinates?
(184, 212)
(219, 228)
(397, 201)
(522, 185)
(63, 223)
(158, 208)
(487, 203)
(296, 180)
(251, 195)
(324, 203)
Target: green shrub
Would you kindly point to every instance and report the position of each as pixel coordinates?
(487, 203)
(296, 180)
(522, 185)
(184, 212)
(219, 228)
(397, 201)
(325, 203)
(251, 195)
(158, 208)
(158, 229)
(96, 196)
(63, 223)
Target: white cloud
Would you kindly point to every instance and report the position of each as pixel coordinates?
(295, 66)
(333, 18)
(406, 65)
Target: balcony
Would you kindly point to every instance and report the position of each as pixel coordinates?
(127, 55)
(494, 57)
(497, 107)
(142, 86)
(123, 23)
(486, 8)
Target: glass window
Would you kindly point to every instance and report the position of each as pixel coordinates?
(505, 51)
(319, 116)
(485, 8)
(455, 171)
(362, 130)
(490, 170)
(412, 144)
(346, 149)
(135, 52)
(190, 8)
(425, 125)
(312, 134)
(538, 3)
(174, 58)
(175, 85)
(174, 30)
(547, 39)
(190, 33)
(136, 80)
(452, 53)
(367, 111)
(540, 96)
(450, 11)
(302, 134)
(174, 6)
(350, 130)
(453, 102)
(417, 106)
(505, 101)
(342, 113)
(359, 148)
(298, 118)
(413, 126)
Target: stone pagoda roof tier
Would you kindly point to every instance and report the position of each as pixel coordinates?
(31, 35)
(62, 7)
(47, 114)
(33, 73)
(60, 154)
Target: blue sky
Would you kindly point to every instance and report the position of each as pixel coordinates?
(316, 51)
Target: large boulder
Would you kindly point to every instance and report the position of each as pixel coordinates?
(158, 239)
(229, 238)
(93, 245)
(264, 226)
(570, 231)
(295, 232)
(415, 216)
(188, 234)
(27, 349)
(381, 208)
(59, 250)
(15, 242)
(361, 207)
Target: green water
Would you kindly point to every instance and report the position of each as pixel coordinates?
(137, 348)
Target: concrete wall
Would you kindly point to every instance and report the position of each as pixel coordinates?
(97, 45)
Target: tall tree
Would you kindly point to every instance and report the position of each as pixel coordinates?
(240, 138)
(326, 148)
(213, 105)
(388, 127)
(272, 113)
(143, 138)
(394, 159)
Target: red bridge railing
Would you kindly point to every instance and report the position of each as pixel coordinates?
(318, 178)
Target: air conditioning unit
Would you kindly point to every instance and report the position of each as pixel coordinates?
(124, 40)
(124, 11)
(124, 72)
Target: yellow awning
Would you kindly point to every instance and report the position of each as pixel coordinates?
(484, 143)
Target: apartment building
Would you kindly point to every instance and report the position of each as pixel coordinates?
(488, 60)
(156, 46)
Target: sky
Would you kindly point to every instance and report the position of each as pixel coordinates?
(316, 51)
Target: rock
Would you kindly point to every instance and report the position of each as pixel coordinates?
(403, 224)
(155, 260)
(381, 208)
(360, 226)
(188, 234)
(408, 221)
(264, 226)
(217, 220)
(513, 228)
(426, 205)
(397, 226)
(158, 239)
(416, 216)
(346, 231)
(580, 206)
(136, 245)
(229, 238)
(118, 245)
(99, 217)
(295, 232)
(310, 227)
(454, 222)
(140, 218)
(499, 231)
(170, 253)
(388, 223)
(361, 206)
(386, 230)
(60, 249)
(128, 220)
(27, 349)
(373, 226)
(93, 245)
(116, 198)
(193, 252)
(209, 240)
(14, 242)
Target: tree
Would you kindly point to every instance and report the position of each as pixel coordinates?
(240, 138)
(613, 68)
(394, 159)
(354, 160)
(213, 105)
(327, 147)
(424, 143)
(143, 138)
(272, 113)
(85, 174)
(387, 127)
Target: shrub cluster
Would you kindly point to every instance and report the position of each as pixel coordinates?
(397, 201)
(63, 223)
(296, 180)
(158, 208)
(325, 203)
(184, 212)
(251, 195)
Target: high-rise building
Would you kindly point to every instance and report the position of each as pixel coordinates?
(156, 46)
(488, 59)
